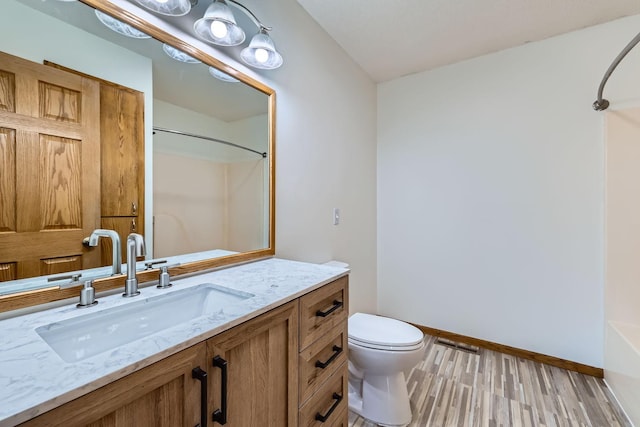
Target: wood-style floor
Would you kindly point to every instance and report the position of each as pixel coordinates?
(455, 387)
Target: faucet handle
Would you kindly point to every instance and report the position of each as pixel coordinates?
(87, 295)
(150, 264)
(75, 278)
(164, 281)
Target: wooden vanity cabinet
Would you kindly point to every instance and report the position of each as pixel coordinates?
(282, 368)
(164, 394)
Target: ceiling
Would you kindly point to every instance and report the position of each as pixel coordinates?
(390, 39)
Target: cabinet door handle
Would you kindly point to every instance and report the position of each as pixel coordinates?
(337, 350)
(336, 305)
(220, 415)
(133, 225)
(201, 376)
(322, 418)
(134, 208)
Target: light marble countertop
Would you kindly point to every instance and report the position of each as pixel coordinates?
(34, 379)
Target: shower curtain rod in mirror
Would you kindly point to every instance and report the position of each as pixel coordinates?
(600, 103)
(208, 138)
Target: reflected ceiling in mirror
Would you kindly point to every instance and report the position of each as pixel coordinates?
(202, 193)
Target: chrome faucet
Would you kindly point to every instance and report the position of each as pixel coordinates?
(135, 248)
(115, 247)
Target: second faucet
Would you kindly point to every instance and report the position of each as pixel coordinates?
(135, 248)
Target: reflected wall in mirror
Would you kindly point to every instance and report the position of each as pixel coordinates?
(159, 158)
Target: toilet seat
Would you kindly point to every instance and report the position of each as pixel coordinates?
(383, 333)
(385, 347)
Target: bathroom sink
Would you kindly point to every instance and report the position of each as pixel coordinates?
(85, 336)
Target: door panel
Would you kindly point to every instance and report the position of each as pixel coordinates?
(122, 136)
(7, 178)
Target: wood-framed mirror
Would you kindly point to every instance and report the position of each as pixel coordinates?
(158, 156)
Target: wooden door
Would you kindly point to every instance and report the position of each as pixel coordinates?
(164, 394)
(261, 362)
(122, 120)
(121, 160)
(49, 169)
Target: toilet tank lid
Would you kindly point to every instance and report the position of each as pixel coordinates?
(334, 263)
(372, 329)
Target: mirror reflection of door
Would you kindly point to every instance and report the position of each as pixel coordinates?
(49, 145)
(121, 161)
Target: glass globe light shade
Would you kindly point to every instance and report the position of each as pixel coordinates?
(179, 55)
(218, 26)
(167, 7)
(120, 27)
(221, 75)
(261, 53)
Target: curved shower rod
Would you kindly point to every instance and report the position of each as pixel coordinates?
(601, 103)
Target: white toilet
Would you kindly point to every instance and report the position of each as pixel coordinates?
(381, 350)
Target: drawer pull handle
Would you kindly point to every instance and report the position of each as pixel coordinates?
(336, 305)
(220, 415)
(337, 350)
(322, 418)
(201, 376)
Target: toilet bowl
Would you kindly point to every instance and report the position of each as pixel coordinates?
(381, 351)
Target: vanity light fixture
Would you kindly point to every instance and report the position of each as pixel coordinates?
(218, 26)
(178, 55)
(120, 27)
(167, 7)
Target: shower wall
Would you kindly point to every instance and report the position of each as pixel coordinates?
(622, 258)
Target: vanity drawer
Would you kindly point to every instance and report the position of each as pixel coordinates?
(329, 401)
(321, 359)
(342, 419)
(322, 310)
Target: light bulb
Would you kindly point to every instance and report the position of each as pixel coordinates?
(219, 29)
(261, 55)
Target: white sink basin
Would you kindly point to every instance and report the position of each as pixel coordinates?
(85, 336)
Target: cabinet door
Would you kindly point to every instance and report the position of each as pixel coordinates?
(164, 394)
(259, 360)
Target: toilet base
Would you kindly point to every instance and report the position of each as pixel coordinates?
(383, 399)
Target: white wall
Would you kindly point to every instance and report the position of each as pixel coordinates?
(325, 146)
(490, 196)
(326, 150)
